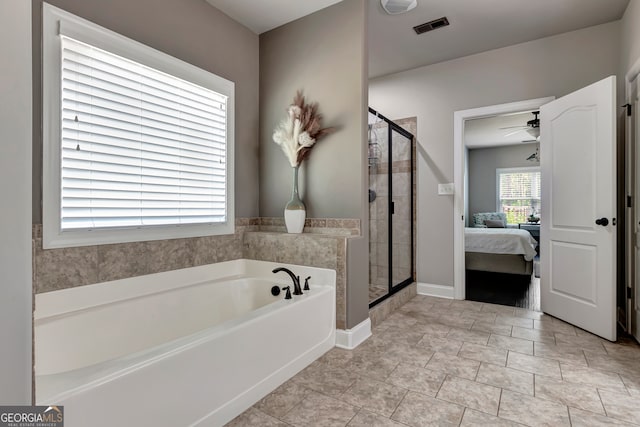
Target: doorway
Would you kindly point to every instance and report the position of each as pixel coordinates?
(579, 191)
(462, 180)
(503, 165)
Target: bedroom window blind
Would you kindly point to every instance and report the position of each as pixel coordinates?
(518, 193)
(139, 147)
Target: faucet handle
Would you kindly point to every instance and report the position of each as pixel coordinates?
(306, 283)
(296, 286)
(288, 294)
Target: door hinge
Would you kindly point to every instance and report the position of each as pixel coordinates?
(392, 208)
(629, 202)
(629, 292)
(629, 109)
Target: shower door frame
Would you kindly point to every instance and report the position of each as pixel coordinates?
(393, 289)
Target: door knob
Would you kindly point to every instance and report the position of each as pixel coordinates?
(602, 221)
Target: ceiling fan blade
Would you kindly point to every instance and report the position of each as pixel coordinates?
(513, 133)
(513, 127)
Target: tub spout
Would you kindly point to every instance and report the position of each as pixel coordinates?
(294, 278)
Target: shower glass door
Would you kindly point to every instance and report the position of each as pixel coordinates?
(378, 209)
(401, 208)
(390, 208)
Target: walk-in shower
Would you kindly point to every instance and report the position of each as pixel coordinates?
(391, 207)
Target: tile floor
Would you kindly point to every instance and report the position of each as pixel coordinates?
(439, 362)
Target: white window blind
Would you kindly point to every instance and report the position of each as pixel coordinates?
(139, 147)
(518, 193)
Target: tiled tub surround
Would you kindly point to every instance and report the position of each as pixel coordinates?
(441, 362)
(323, 244)
(55, 269)
(313, 250)
(211, 340)
(331, 226)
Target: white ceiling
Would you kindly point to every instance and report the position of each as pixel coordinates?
(487, 132)
(476, 25)
(264, 15)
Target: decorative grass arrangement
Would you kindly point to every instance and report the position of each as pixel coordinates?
(299, 132)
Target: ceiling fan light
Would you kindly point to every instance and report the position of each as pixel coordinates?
(396, 7)
(534, 132)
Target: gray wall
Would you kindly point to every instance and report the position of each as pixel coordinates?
(323, 54)
(551, 66)
(483, 163)
(190, 30)
(15, 187)
(630, 37)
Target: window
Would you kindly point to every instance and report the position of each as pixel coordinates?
(138, 145)
(518, 193)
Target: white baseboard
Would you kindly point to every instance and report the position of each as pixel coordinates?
(351, 338)
(431, 290)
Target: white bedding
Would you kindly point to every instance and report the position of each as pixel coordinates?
(500, 241)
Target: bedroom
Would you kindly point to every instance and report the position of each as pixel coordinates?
(503, 210)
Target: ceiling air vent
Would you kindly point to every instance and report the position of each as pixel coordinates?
(431, 25)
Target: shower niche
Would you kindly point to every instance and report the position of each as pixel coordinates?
(391, 152)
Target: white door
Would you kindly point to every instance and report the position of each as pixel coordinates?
(578, 227)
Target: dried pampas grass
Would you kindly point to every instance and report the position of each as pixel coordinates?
(300, 130)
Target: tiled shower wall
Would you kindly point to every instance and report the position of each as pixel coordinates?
(323, 244)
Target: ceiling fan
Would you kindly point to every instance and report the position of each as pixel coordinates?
(532, 127)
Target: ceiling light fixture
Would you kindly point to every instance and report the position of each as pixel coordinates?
(396, 7)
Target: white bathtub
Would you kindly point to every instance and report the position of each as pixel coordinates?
(188, 347)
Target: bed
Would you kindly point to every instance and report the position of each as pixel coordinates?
(499, 250)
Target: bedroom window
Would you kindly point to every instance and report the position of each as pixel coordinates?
(518, 191)
(138, 145)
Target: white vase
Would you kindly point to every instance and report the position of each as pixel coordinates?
(294, 220)
(295, 212)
